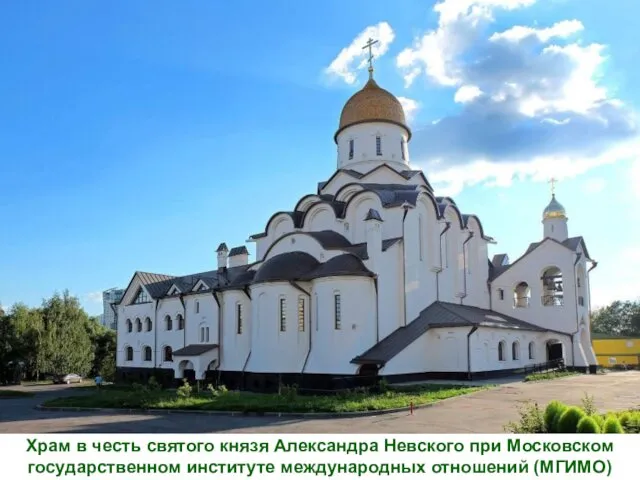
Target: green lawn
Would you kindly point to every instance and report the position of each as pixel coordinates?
(538, 377)
(254, 402)
(14, 394)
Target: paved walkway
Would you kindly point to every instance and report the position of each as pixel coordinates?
(483, 412)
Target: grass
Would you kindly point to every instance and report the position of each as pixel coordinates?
(538, 377)
(255, 402)
(14, 394)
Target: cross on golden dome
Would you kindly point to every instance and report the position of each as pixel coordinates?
(370, 43)
(553, 182)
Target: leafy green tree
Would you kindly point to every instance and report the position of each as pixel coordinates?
(619, 318)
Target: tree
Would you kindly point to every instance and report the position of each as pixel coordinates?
(619, 318)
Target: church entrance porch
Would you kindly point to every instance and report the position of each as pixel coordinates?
(193, 362)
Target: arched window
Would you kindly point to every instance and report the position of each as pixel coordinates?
(138, 325)
(501, 347)
(148, 324)
(402, 148)
(204, 334)
(532, 351)
(180, 322)
(351, 149)
(168, 323)
(337, 311)
(147, 354)
(420, 238)
(552, 287)
(129, 325)
(521, 295)
(129, 354)
(239, 318)
(282, 310)
(378, 145)
(301, 313)
(515, 351)
(167, 354)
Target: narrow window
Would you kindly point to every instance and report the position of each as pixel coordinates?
(168, 354)
(337, 311)
(578, 282)
(531, 351)
(129, 326)
(501, 294)
(168, 322)
(207, 334)
(301, 314)
(138, 325)
(283, 314)
(197, 307)
(420, 240)
(515, 351)
(501, 352)
(201, 334)
(351, 149)
(378, 146)
(402, 148)
(148, 324)
(147, 354)
(129, 354)
(180, 322)
(239, 319)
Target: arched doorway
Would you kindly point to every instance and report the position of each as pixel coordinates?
(555, 351)
(187, 371)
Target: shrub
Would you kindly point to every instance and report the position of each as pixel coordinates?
(625, 419)
(184, 390)
(599, 420)
(551, 415)
(223, 389)
(532, 420)
(612, 425)
(588, 405)
(568, 421)
(153, 385)
(289, 392)
(383, 385)
(588, 425)
(634, 423)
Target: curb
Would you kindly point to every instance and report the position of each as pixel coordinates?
(368, 413)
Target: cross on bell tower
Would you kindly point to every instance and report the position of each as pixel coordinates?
(370, 43)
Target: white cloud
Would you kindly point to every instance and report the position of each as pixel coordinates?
(634, 177)
(518, 33)
(467, 93)
(353, 58)
(409, 106)
(458, 28)
(528, 107)
(594, 185)
(94, 297)
(451, 180)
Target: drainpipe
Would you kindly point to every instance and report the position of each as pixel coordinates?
(471, 332)
(406, 208)
(155, 335)
(215, 297)
(184, 320)
(447, 227)
(375, 286)
(593, 265)
(464, 266)
(306, 359)
(575, 291)
(246, 362)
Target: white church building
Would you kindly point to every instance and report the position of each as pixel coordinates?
(371, 276)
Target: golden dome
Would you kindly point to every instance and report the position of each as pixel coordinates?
(372, 104)
(554, 209)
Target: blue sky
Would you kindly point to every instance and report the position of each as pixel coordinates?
(139, 135)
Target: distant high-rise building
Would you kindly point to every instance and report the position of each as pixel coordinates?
(109, 317)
